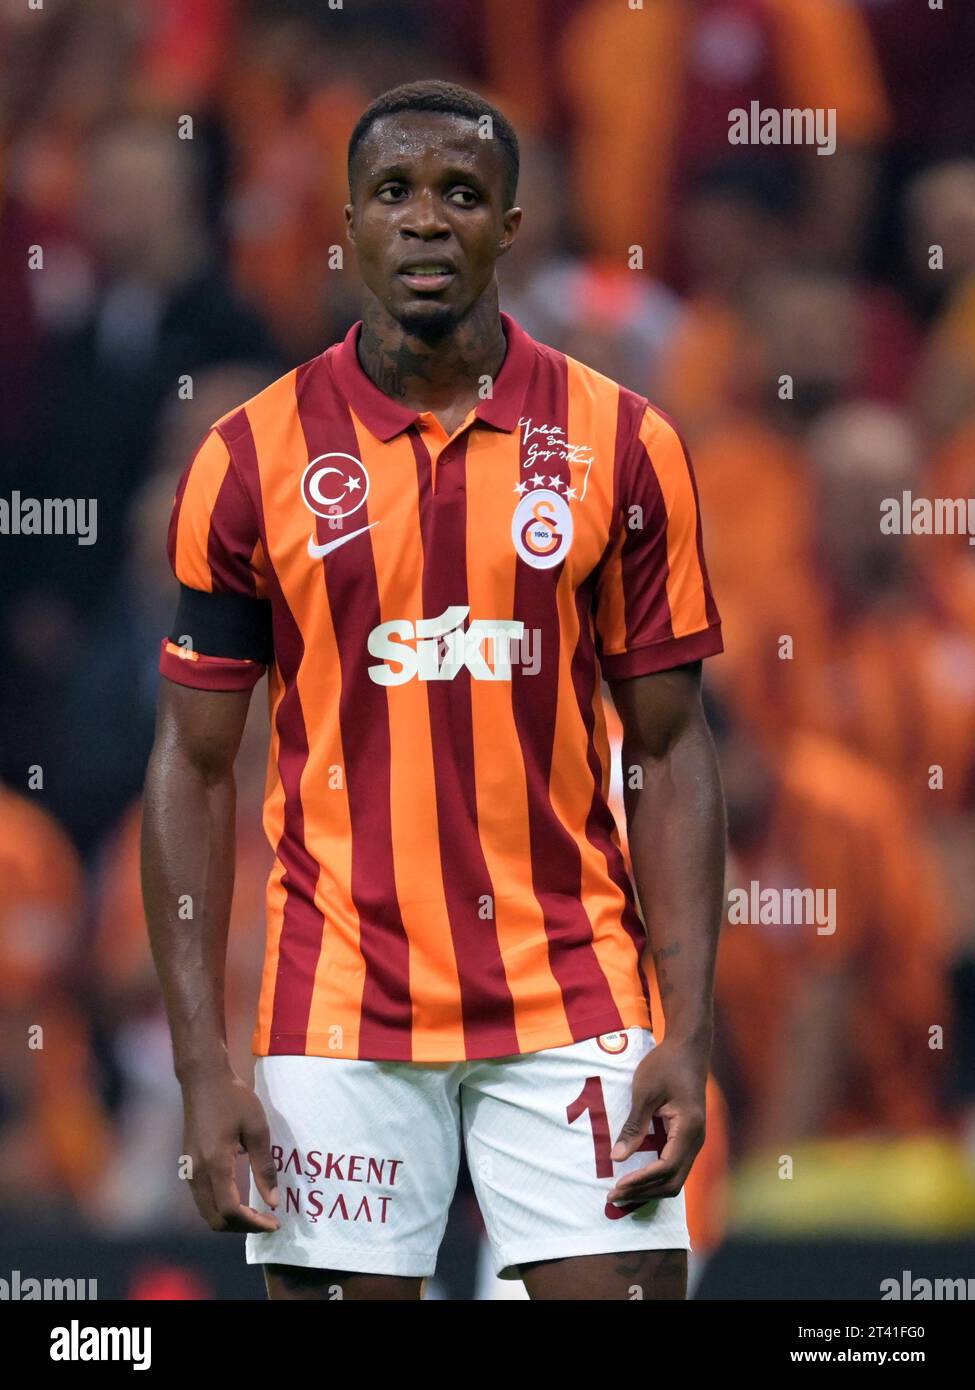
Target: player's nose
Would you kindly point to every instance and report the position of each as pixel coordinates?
(425, 218)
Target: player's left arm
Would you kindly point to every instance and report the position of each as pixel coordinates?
(675, 820)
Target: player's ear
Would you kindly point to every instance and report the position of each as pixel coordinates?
(512, 221)
(348, 212)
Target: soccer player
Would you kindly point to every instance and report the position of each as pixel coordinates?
(435, 537)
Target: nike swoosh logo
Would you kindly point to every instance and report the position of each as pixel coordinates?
(317, 551)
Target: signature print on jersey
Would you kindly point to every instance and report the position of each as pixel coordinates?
(541, 527)
(547, 442)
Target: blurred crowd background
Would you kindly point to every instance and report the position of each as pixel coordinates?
(844, 706)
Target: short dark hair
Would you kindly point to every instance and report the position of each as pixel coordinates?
(448, 99)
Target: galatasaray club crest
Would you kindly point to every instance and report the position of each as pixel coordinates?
(541, 528)
(613, 1042)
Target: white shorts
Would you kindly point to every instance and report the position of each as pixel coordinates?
(368, 1154)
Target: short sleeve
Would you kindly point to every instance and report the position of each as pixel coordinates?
(653, 605)
(220, 639)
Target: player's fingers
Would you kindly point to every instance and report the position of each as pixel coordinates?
(638, 1195)
(225, 1198)
(231, 1215)
(246, 1221)
(667, 1175)
(202, 1191)
(660, 1179)
(257, 1142)
(209, 1205)
(635, 1126)
(684, 1129)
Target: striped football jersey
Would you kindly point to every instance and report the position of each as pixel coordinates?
(448, 881)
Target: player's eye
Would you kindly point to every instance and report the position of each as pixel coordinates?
(391, 188)
(456, 193)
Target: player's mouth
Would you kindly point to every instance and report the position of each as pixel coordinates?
(426, 276)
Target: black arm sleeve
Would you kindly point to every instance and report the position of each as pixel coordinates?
(231, 625)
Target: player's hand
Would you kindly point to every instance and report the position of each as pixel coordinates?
(670, 1082)
(224, 1118)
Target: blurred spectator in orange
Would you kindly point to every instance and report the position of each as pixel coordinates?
(757, 510)
(513, 49)
(617, 320)
(829, 1032)
(756, 335)
(949, 561)
(544, 240)
(288, 117)
(54, 1131)
(72, 66)
(757, 314)
(638, 143)
(299, 78)
(819, 339)
(735, 227)
(949, 574)
(942, 205)
(759, 353)
(181, 52)
(893, 678)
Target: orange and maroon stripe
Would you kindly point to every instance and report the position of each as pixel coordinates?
(175, 514)
(230, 543)
(493, 470)
(303, 923)
(600, 824)
(645, 599)
(601, 828)
(486, 1001)
(189, 527)
(386, 1009)
(397, 552)
(711, 608)
(556, 858)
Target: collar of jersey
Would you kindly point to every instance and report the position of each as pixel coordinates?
(385, 418)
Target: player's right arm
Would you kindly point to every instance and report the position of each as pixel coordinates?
(187, 883)
(218, 648)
